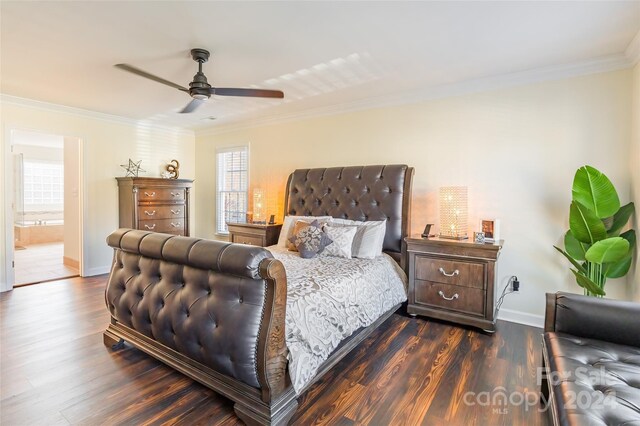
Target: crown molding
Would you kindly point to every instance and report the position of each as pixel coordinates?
(47, 106)
(633, 50)
(521, 78)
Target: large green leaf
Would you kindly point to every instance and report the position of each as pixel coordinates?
(630, 236)
(594, 190)
(610, 250)
(620, 268)
(586, 283)
(575, 248)
(620, 219)
(578, 266)
(585, 225)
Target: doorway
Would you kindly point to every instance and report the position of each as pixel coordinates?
(46, 207)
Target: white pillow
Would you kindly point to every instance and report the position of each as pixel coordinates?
(287, 227)
(367, 244)
(342, 238)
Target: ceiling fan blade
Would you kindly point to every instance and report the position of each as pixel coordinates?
(134, 70)
(191, 106)
(256, 93)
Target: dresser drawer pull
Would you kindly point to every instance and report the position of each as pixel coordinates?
(150, 226)
(175, 194)
(175, 211)
(148, 213)
(453, 274)
(454, 297)
(175, 225)
(153, 194)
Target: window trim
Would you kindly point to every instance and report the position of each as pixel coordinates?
(223, 150)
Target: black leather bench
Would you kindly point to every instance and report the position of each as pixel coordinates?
(591, 355)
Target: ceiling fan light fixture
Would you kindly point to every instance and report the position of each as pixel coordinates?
(200, 97)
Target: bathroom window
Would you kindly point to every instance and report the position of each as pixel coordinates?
(43, 186)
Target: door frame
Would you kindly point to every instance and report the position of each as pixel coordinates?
(9, 192)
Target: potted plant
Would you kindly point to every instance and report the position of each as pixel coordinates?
(594, 243)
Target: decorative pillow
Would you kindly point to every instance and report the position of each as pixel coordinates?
(311, 240)
(367, 244)
(287, 227)
(342, 238)
(299, 225)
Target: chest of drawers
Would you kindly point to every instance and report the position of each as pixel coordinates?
(453, 280)
(154, 204)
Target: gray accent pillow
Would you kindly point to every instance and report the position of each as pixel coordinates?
(342, 238)
(287, 227)
(310, 240)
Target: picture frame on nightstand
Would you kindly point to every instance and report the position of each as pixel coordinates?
(491, 230)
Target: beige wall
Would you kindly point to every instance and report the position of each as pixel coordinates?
(516, 149)
(31, 152)
(106, 145)
(634, 164)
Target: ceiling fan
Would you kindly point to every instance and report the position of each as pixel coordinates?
(199, 89)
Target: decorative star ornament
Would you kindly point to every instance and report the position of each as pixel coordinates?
(132, 168)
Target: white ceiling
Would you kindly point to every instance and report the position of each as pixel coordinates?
(322, 54)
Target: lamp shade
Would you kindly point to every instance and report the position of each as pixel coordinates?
(259, 206)
(453, 212)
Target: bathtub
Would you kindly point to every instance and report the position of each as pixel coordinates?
(28, 232)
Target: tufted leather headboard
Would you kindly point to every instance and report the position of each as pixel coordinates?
(355, 193)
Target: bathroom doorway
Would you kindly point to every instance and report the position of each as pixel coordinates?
(46, 207)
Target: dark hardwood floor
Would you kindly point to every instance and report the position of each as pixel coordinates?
(55, 370)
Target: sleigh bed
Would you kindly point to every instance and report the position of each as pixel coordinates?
(217, 312)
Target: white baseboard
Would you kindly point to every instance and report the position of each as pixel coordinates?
(521, 318)
(90, 272)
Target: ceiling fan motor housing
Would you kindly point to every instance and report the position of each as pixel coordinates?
(199, 87)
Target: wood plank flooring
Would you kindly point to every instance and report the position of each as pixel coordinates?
(41, 262)
(55, 370)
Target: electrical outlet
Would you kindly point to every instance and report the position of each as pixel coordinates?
(515, 284)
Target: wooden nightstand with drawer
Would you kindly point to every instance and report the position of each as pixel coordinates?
(254, 234)
(453, 280)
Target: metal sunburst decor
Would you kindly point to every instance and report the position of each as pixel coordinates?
(132, 168)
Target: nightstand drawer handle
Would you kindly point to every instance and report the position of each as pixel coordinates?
(153, 194)
(453, 274)
(150, 227)
(148, 213)
(175, 194)
(175, 211)
(175, 225)
(454, 297)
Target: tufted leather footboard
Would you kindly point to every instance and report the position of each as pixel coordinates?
(214, 311)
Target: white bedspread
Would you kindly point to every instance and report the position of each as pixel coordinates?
(328, 298)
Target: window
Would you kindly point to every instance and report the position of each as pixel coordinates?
(232, 186)
(43, 186)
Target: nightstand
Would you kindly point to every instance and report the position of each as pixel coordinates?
(254, 234)
(453, 280)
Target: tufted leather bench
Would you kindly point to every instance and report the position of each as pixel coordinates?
(591, 351)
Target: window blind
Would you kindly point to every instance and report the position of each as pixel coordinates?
(232, 186)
